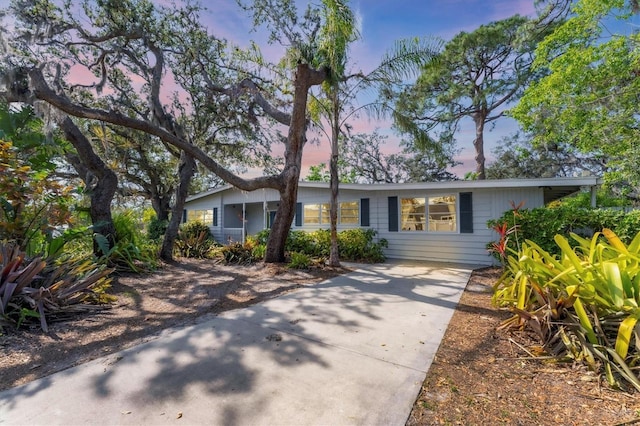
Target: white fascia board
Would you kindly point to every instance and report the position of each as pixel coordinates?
(447, 185)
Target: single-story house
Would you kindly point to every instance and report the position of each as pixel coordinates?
(435, 221)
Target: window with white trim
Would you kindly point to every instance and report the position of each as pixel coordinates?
(204, 216)
(318, 214)
(349, 213)
(412, 214)
(443, 215)
(315, 214)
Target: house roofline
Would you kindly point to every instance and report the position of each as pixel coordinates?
(567, 182)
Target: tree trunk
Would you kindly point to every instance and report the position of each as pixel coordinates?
(478, 144)
(334, 254)
(288, 180)
(275, 252)
(186, 170)
(100, 181)
(161, 204)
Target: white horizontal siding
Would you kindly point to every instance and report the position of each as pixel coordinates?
(257, 196)
(488, 203)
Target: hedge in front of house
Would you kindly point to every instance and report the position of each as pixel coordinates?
(541, 224)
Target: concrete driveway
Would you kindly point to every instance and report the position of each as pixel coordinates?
(352, 350)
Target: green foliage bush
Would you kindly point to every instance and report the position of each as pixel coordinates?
(32, 206)
(583, 302)
(194, 240)
(542, 224)
(242, 253)
(133, 252)
(156, 228)
(299, 261)
(194, 229)
(357, 245)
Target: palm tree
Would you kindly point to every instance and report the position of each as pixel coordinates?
(404, 60)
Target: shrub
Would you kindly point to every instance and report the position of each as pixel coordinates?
(194, 229)
(194, 240)
(156, 229)
(583, 303)
(259, 251)
(37, 288)
(542, 224)
(356, 245)
(359, 245)
(306, 242)
(262, 236)
(32, 206)
(239, 253)
(132, 251)
(299, 261)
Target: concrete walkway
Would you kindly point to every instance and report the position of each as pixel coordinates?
(352, 350)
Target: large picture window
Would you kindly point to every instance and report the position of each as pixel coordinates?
(204, 216)
(412, 214)
(442, 214)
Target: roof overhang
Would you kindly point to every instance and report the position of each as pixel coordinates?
(553, 188)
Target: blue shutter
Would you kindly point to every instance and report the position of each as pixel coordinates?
(364, 212)
(393, 214)
(184, 216)
(298, 214)
(215, 216)
(466, 213)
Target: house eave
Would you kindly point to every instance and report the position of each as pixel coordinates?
(553, 188)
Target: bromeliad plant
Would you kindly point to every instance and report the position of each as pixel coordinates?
(44, 288)
(583, 303)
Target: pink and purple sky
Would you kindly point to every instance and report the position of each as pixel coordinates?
(383, 22)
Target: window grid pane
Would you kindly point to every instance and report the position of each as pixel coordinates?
(442, 214)
(325, 213)
(412, 214)
(311, 214)
(204, 216)
(349, 213)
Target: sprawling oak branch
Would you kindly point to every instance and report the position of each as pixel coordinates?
(42, 91)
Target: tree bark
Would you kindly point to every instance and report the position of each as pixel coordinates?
(478, 144)
(186, 170)
(101, 183)
(334, 254)
(161, 204)
(288, 180)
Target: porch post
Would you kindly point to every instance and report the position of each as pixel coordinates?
(593, 196)
(264, 214)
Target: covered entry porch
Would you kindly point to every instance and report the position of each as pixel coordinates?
(241, 219)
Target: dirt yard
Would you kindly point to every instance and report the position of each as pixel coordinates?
(479, 376)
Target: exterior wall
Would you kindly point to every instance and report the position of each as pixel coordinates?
(209, 203)
(451, 247)
(456, 247)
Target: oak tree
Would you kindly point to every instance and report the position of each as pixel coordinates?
(124, 43)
